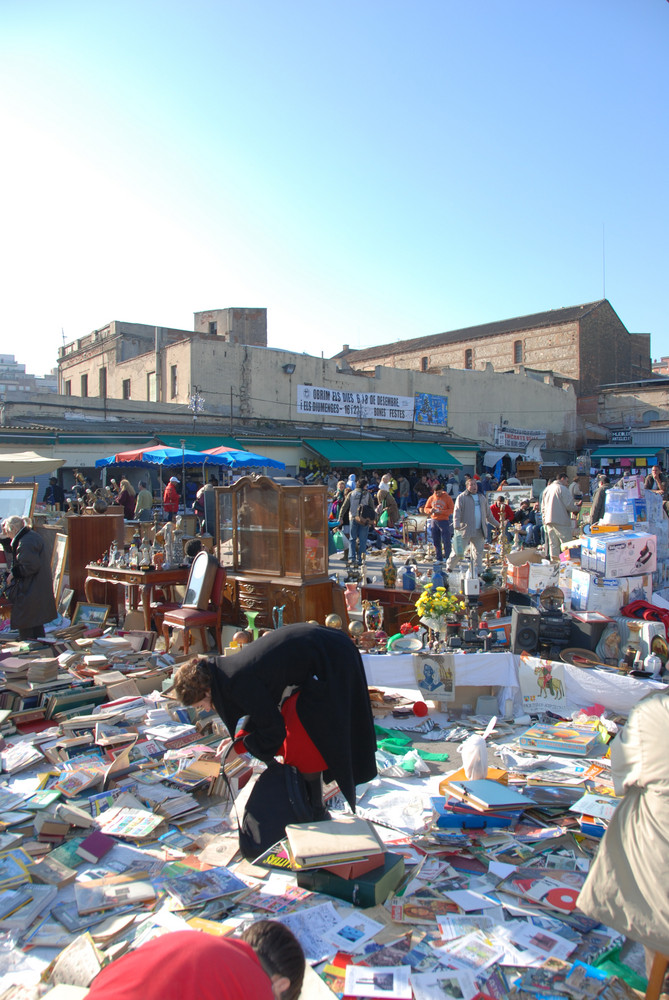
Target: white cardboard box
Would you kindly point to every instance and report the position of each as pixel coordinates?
(594, 593)
(620, 553)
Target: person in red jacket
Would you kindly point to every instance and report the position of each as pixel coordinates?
(171, 498)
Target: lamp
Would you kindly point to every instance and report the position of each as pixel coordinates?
(195, 403)
(289, 369)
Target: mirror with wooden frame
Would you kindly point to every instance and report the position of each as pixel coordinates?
(17, 499)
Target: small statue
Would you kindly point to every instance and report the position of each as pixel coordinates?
(389, 570)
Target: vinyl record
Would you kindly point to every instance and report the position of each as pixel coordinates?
(562, 899)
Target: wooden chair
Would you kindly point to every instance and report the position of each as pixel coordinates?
(656, 978)
(189, 618)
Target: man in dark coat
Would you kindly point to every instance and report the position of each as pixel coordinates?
(332, 699)
(599, 499)
(29, 583)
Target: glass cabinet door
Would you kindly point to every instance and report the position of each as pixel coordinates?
(315, 533)
(257, 529)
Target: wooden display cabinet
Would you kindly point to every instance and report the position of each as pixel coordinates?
(273, 536)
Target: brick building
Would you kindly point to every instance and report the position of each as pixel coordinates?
(585, 345)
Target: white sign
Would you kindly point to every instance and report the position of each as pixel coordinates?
(343, 403)
(517, 440)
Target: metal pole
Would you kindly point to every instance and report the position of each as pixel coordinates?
(183, 472)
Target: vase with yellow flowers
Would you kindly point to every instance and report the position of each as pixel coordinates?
(437, 608)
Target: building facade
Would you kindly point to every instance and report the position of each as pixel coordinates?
(587, 345)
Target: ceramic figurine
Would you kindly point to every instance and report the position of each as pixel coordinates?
(389, 570)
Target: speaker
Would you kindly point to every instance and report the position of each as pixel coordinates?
(525, 630)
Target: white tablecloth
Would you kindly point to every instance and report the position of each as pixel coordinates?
(616, 692)
(498, 670)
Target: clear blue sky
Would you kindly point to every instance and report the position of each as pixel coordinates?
(368, 170)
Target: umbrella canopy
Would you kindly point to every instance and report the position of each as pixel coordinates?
(236, 459)
(27, 463)
(160, 455)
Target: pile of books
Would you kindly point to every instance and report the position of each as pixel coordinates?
(342, 857)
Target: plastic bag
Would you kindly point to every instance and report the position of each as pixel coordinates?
(339, 540)
(458, 543)
(474, 753)
(383, 519)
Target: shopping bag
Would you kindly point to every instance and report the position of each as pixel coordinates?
(383, 519)
(458, 543)
(339, 540)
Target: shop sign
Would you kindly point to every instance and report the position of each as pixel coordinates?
(621, 437)
(515, 439)
(319, 401)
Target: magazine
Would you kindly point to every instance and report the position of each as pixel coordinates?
(198, 887)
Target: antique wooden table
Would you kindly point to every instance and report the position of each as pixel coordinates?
(136, 582)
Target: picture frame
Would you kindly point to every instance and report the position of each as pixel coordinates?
(90, 614)
(65, 602)
(17, 499)
(58, 563)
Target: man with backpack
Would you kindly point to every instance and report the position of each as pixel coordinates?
(361, 516)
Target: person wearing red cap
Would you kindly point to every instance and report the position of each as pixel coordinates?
(171, 498)
(267, 963)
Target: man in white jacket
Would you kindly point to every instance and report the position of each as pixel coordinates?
(557, 506)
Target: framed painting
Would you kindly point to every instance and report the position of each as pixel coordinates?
(58, 562)
(90, 614)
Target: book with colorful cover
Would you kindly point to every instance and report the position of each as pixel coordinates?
(579, 741)
(198, 887)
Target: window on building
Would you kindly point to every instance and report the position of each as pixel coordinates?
(84, 385)
(151, 387)
(213, 327)
(517, 352)
(102, 383)
(424, 364)
(173, 381)
(469, 358)
(126, 388)
(68, 387)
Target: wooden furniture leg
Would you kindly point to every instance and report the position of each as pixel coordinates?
(657, 973)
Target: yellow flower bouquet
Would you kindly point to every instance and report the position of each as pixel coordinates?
(436, 607)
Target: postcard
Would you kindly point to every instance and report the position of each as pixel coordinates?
(384, 981)
(353, 932)
(444, 983)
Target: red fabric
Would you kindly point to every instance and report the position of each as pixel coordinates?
(649, 612)
(185, 965)
(298, 748)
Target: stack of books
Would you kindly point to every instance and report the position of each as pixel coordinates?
(345, 858)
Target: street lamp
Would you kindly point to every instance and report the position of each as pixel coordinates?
(195, 403)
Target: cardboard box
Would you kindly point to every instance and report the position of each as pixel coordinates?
(634, 487)
(635, 588)
(623, 553)
(532, 578)
(594, 593)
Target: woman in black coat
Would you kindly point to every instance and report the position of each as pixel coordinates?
(29, 584)
(325, 725)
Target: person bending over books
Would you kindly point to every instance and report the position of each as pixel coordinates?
(266, 963)
(626, 888)
(302, 694)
